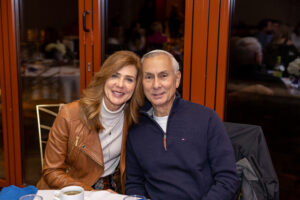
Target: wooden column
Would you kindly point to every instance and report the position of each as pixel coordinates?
(205, 61)
(9, 95)
(90, 39)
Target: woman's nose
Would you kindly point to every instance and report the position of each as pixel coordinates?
(120, 82)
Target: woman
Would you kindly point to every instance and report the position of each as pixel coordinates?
(87, 140)
(281, 50)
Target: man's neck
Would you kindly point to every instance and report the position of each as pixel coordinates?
(163, 110)
(159, 112)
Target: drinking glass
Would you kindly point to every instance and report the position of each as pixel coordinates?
(31, 197)
(135, 197)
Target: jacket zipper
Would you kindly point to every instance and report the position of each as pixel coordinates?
(165, 141)
(75, 144)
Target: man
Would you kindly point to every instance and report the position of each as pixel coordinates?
(246, 68)
(179, 150)
(265, 33)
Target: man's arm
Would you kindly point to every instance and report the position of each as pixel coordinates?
(135, 181)
(222, 162)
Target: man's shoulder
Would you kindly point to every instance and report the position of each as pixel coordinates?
(143, 120)
(192, 107)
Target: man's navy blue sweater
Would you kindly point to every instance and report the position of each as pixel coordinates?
(198, 163)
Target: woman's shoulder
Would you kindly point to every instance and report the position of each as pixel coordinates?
(71, 110)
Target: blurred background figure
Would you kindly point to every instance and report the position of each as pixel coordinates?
(281, 50)
(246, 58)
(115, 38)
(176, 22)
(275, 25)
(157, 38)
(264, 35)
(52, 46)
(296, 36)
(137, 39)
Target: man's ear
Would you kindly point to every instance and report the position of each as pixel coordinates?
(258, 58)
(178, 77)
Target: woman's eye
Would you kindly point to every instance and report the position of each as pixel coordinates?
(114, 76)
(130, 80)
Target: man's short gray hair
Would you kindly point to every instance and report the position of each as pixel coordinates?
(245, 50)
(158, 52)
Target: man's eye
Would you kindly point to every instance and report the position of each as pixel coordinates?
(148, 77)
(164, 75)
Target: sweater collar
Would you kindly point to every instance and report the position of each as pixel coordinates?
(106, 113)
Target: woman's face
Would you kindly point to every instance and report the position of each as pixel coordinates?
(119, 88)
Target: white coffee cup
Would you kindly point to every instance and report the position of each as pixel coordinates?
(70, 193)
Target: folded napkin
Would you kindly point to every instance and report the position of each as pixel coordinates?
(88, 195)
(95, 195)
(13, 192)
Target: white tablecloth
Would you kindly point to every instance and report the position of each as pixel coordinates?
(88, 195)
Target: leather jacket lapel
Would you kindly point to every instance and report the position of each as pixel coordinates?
(91, 146)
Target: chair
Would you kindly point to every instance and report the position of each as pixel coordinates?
(249, 144)
(46, 115)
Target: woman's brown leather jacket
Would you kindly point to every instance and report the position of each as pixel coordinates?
(73, 154)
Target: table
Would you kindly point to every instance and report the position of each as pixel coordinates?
(292, 90)
(88, 195)
(56, 82)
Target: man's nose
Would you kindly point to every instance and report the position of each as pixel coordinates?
(156, 83)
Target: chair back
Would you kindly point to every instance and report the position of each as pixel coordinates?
(253, 157)
(46, 114)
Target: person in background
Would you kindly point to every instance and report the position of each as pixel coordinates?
(179, 149)
(157, 38)
(280, 46)
(115, 38)
(265, 33)
(52, 46)
(246, 67)
(86, 142)
(296, 37)
(275, 25)
(137, 39)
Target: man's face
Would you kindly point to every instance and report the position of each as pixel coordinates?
(269, 28)
(160, 83)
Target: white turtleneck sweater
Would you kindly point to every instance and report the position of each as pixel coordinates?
(111, 137)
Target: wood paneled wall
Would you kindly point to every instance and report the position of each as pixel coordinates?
(205, 52)
(9, 95)
(90, 41)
